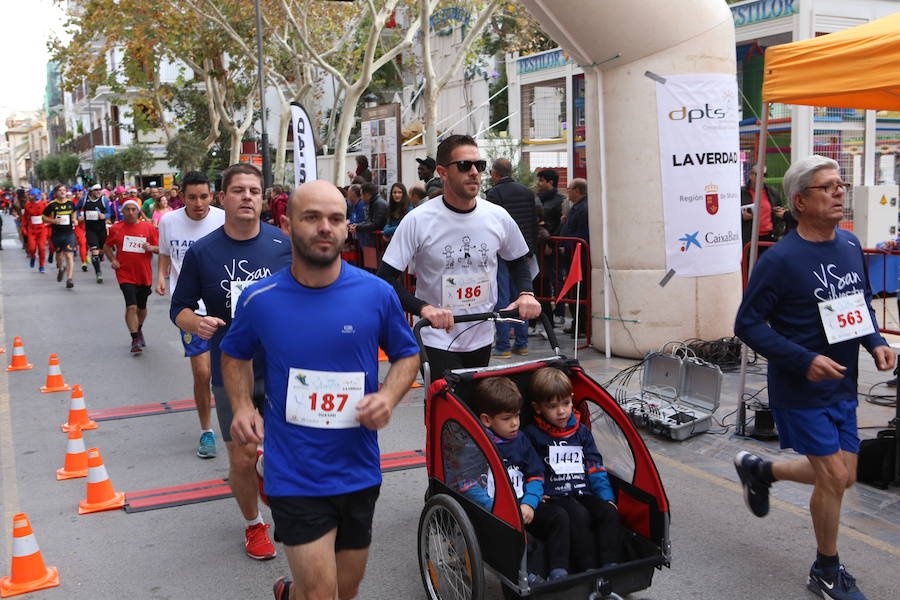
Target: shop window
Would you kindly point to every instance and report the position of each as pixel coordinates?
(544, 111)
(466, 470)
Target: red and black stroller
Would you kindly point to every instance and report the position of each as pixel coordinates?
(459, 537)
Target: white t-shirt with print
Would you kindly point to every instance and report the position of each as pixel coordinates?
(456, 264)
(177, 232)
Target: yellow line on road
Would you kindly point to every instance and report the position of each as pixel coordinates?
(791, 508)
(10, 489)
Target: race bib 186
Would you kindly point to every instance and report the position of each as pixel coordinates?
(566, 460)
(323, 399)
(134, 243)
(465, 290)
(846, 318)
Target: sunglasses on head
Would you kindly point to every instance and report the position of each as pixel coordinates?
(466, 165)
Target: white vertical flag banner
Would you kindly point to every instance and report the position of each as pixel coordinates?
(304, 145)
(700, 173)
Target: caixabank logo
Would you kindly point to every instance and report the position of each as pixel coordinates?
(709, 238)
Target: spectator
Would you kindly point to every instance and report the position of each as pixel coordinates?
(150, 202)
(356, 208)
(434, 185)
(576, 225)
(376, 214)
(518, 201)
(278, 204)
(417, 195)
(175, 201)
(265, 215)
(551, 203)
(160, 208)
(771, 210)
(398, 206)
(362, 170)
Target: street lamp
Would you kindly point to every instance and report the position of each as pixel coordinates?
(264, 135)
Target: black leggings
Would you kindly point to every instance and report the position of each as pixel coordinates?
(597, 534)
(443, 360)
(551, 527)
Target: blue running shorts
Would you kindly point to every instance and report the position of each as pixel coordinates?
(819, 431)
(194, 345)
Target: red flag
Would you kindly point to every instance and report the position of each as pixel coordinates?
(574, 273)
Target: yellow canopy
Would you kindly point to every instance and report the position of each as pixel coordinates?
(854, 68)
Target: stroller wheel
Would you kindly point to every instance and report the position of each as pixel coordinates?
(449, 556)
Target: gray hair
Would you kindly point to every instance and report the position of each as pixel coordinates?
(797, 178)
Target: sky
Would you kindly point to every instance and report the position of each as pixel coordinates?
(23, 69)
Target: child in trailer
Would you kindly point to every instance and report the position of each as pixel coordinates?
(497, 401)
(575, 478)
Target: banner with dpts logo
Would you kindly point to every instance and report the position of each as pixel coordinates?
(700, 173)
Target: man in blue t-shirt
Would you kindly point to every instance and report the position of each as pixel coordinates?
(807, 309)
(216, 269)
(323, 404)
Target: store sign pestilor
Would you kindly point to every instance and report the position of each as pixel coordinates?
(700, 173)
(542, 61)
(762, 10)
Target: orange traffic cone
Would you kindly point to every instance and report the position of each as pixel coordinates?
(19, 360)
(100, 493)
(76, 464)
(382, 357)
(28, 570)
(78, 414)
(55, 381)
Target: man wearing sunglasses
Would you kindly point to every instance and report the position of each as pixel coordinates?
(807, 309)
(456, 241)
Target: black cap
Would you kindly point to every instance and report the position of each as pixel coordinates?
(428, 162)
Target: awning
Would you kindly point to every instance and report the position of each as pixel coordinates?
(854, 68)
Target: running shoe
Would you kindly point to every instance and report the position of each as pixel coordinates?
(282, 588)
(84, 267)
(559, 321)
(756, 490)
(520, 351)
(60, 274)
(141, 339)
(501, 354)
(207, 446)
(31, 262)
(258, 544)
(70, 283)
(50, 258)
(833, 583)
(42, 270)
(136, 345)
(99, 278)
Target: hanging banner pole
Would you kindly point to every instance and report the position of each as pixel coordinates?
(305, 168)
(575, 326)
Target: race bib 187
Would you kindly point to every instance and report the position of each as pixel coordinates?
(323, 399)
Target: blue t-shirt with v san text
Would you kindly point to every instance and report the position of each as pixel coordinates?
(210, 266)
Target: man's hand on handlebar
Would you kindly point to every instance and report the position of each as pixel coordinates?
(528, 307)
(440, 318)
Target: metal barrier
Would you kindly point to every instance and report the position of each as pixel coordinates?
(885, 279)
(554, 259)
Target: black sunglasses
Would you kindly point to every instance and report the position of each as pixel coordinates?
(466, 165)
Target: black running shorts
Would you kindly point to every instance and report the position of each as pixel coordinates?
(304, 519)
(135, 294)
(96, 237)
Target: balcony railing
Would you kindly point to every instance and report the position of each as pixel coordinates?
(87, 141)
